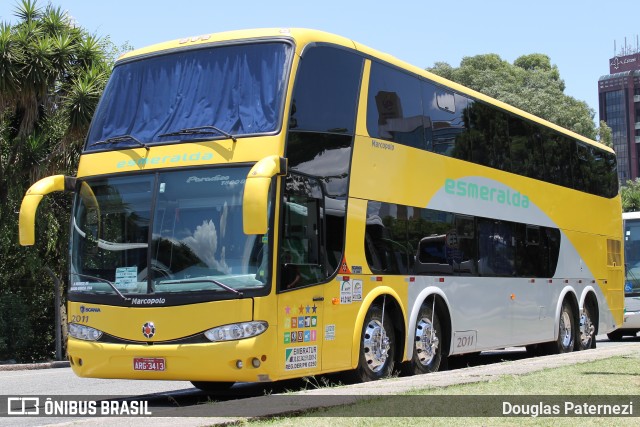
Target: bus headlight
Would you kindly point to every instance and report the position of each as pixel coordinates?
(82, 332)
(236, 331)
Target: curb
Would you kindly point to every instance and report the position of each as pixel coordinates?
(33, 366)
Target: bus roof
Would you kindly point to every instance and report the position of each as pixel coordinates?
(303, 36)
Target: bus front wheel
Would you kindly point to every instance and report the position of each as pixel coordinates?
(427, 344)
(377, 346)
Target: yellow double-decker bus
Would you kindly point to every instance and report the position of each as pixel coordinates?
(269, 204)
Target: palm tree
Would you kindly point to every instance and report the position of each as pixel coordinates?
(52, 73)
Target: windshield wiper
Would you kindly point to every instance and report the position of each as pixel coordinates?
(100, 279)
(200, 130)
(215, 282)
(120, 138)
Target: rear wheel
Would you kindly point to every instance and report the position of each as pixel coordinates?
(213, 386)
(427, 344)
(377, 346)
(587, 329)
(566, 331)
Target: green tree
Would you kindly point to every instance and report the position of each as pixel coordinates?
(630, 194)
(531, 83)
(52, 73)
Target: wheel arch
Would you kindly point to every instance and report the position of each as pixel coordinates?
(391, 300)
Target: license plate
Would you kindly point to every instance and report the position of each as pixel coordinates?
(148, 364)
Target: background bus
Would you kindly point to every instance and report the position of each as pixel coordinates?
(631, 325)
(269, 204)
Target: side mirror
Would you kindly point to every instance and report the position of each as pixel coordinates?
(255, 198)
(32, 199)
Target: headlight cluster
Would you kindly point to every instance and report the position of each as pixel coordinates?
(236, 331)
(82, 332)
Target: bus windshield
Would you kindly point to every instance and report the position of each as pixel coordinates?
(632, 256)
(208, 93)
(171, 232)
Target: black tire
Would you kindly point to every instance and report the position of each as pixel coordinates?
(427, 343)
(615, 335)
(213, 386)
(587, 338)
(377, 346)
(566, 332)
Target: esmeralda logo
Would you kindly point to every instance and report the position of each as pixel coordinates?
(471, 190)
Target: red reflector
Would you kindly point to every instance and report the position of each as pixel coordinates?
(412, 279)
(441, 280)
(379, 279)
(345, 278)
(550, 280)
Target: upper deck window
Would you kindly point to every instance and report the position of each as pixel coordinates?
(193, 94)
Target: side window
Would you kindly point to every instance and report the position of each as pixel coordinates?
(557, 155)
(489, 130)
(467, 246)
(526, 149)
(326, 91)
(302, 253)
(394, 110)
(430, 233)
(386, 246)
(445, 131)
(496, 248)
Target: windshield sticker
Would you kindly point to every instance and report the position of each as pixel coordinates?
(81, 286)
(126, 277)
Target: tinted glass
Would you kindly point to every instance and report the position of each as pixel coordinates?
(489, 131)
(326, 91)
(445, 131)
(527, 157)
(444, 243)
(394, 110)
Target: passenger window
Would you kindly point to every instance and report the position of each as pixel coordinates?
(386, 245)
(445, 131)
(394, 109)
(489, 130)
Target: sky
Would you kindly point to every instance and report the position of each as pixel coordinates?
(578, 35)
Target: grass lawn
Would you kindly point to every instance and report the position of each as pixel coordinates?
(618, 376)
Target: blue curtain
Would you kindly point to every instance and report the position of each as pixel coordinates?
(239, 89)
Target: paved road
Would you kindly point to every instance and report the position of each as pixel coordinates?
(163, 394)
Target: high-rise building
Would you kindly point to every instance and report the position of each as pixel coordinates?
(619, 106)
